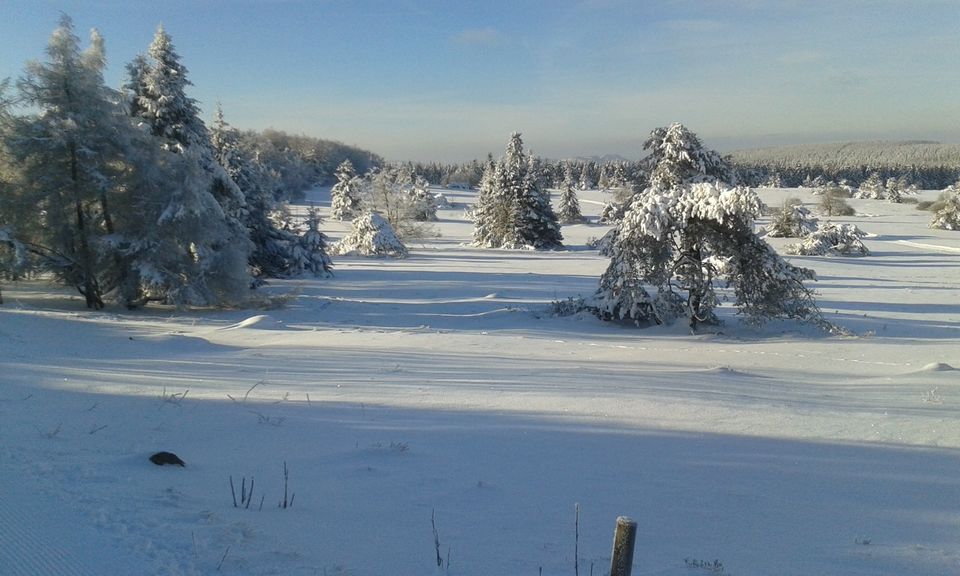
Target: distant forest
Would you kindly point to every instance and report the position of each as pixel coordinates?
(928, 165)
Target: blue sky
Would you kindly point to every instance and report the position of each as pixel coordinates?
(449, 80)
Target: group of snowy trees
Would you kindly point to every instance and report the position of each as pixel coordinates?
(127, 195)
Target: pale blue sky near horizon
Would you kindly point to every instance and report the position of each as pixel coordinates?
(449, 81)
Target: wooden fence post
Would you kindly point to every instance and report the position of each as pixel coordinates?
(623, 540)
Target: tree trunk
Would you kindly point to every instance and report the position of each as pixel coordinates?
(90, 288)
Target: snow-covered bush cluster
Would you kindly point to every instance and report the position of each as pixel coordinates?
(371, 235)
(893, 189)
(829, 238)
(946, 210)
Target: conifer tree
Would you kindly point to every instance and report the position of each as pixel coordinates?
(687, 235)
(309, 253)
(569, 212)
(516, 211)
(345, 194)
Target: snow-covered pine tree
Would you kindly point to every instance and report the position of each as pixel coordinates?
(515, 212)
(309, 252)
(345, 194)
(947, 216)
(586, 182)
(371, 235)
(569, 212)
(263, 216)
(829, 238)
(491, 214)
(690, 234)
(159, 101)
(872, 188)
(423, 204)
(678, 157)
(792, 220)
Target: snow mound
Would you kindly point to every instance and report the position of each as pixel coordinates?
(260, 322)
(937, 367)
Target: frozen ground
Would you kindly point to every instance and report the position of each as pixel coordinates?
(439, 385)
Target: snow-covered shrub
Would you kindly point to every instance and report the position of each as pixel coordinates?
(829, 238)
(947, 216)
(371, 235)
(611, 213)
(792, 220)
(604, 243)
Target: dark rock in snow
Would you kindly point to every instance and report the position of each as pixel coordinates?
(161, 458)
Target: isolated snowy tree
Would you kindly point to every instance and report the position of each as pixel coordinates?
(514, 211)
(569, 212)
(947, 216)
(829, 238)
(371, 235)
(345, 194)
(309, 252)
(792, 220)
(690, 234)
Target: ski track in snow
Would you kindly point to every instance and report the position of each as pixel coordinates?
(936, 247)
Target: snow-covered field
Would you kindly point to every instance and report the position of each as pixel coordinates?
(438, 386)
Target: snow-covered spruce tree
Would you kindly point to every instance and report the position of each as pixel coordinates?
(309, 252)
(158, 100)
(68, 157)
(688, 235)
(569, 212)
(829, 238)
(872, 188)
(423, 204)
(515, 212)
(792, 220)
(371, 235)
(176, 238)
(345, 194)
(263, 217)
(947, 215)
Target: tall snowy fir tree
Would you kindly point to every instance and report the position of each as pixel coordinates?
(687, 236)
(569, 212)
(309, 252)
(515, 212)
(70, 158)
(263, 217)
(158, 100)
(345, 195)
